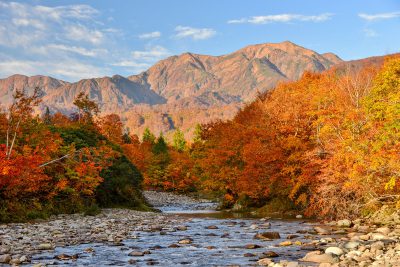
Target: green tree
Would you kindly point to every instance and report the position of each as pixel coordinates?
(148, 136)
(179, 141)
(160, 147)
(197, 134)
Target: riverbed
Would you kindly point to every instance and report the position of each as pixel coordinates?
(190, 232)
(199, 236)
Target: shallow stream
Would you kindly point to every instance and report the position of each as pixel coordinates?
(215, 239)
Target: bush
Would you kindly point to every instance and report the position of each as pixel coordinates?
(121, 186)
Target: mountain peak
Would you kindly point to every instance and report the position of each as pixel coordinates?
(189, 88)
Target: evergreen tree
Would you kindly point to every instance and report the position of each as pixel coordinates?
(126, 137)
(160, 147)
(148, 136)
(47, 116)
(179, 141)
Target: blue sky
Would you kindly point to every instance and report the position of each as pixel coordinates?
(72, 40)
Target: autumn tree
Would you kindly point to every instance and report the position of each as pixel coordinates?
(111, 127)
(86, 107)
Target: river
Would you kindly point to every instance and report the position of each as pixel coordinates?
(212, 239)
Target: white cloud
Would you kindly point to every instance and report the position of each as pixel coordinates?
(194, 33)
(69, 42)
(77, 50)
(380, 16)
(127, 63)
(282, 18)
(27, 22)
(82, 33)
(49, 13)
(152, 53)
(150, 35)
(70, 70)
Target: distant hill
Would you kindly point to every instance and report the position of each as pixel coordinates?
(182, 90)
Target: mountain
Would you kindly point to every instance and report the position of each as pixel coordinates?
(181, 90)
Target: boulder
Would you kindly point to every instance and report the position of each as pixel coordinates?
(383, 230)
(334, 250)
(264, 262)
(252, 246)
(270, 254)
(285, 243)
(351, 245)
(185, 241)
(267, 235)
(45, 246)
(344, 223)
(318, 257)
(378, 236)
(6, 258)
(322, 231)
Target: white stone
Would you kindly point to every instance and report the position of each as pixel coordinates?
(334, 250)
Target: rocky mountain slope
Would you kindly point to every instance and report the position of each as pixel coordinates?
(181, 90)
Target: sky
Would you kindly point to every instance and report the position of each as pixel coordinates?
(73, 40)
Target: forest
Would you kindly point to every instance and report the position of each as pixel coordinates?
(327, 145)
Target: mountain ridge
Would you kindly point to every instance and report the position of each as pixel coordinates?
(215, 87)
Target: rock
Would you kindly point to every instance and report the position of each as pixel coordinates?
(185, 241)
(344, 223)
(4, 249)
(89, 250)
(351, 245)
(181, 228)
(132, 261)
(23, 258)
(299, 216)
(249, 255)
(266, 225)
(383, 230)
(270, 254)
(377, 245)
(378, 236)
(334, 250)
(45, 246)
(14, 262)
(174, 246)
(292, 264)
(212, 227)
(264, 262)
(210, 247)
(6, 258)
(285, 244)
(253, 226)
(252, 246)
(317, 257)
(363, 228)
(322, 231)
(267, 235)
(136, 253)
(292, 236)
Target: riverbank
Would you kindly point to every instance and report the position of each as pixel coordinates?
(123, 237)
